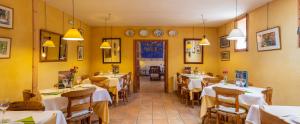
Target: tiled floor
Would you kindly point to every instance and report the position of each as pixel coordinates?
(153, 106)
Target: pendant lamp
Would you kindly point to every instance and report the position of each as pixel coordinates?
(204, 41)
(236, 33)
(48, 42)
(73, 34)
(105, 44)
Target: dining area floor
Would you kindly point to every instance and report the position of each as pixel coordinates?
(154, 107)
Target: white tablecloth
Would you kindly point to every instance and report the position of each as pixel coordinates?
(56, 102)
(253, 95)
(114, 80)
(286, 113)
(39, 117)
(195, 80)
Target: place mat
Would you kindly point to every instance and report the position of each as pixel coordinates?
(51, 93)
(28, 120)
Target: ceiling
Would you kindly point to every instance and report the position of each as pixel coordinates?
(156, 12)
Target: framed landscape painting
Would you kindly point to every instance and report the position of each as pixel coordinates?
(6, 17)
(225, 56)
(5, 46)
(224, 42)
(268, 39)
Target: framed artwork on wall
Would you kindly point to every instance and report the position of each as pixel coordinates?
(225, 56)
(193, 52)
(224, 42)
(6, 17)
(5, 47)
(112, 55)
(80, 53)
(268, 40)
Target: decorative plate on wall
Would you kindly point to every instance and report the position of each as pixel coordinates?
(173, 33)
(158, 33)
(129, 33)
(144, 33)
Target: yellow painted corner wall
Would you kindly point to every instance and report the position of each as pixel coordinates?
(16, 72)
(279, 68)
(47, 74)
(175, 49)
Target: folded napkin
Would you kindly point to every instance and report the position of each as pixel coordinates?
(28, 120)
(51, 93)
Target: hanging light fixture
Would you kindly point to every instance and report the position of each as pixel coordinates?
(48, 42)
(204, 41)
(105, 44)
(236, 33)
(73, 34)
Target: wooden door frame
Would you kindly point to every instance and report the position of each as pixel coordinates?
(136, 72)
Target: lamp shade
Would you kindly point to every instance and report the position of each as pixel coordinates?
(236, 34)
(48, 43)
(204, 41)
(73, 35)
(105, 45)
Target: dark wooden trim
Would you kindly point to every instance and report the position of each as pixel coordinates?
(247, 37)
(229, 55)
(120, 57)
(10, 44)
(59, 52)
(184, 46)
(13, 17)
(279, 39)
(136, 72)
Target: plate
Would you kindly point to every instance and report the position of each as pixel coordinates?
(129, 33)
(144, 33)
(158, 33)
(173, 33)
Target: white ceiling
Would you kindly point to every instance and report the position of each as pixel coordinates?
(156, 12)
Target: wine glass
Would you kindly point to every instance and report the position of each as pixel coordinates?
(4, 104)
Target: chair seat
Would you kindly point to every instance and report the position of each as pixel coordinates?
(231, 110)
(79, 115)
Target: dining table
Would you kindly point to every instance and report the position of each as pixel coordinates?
(52, 100)
(290, 114)
(35, 117)
(252, 96)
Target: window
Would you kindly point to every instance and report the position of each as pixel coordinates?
(241, 44)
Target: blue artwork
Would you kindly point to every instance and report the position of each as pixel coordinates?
(152, 49)
(242, 78)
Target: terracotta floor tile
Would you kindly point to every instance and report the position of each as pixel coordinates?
(145, 116)
(175, 121)
(144, 121)
(160, 121)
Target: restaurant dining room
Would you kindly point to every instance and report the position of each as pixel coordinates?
(149, 62)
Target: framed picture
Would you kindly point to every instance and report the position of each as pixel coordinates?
(225, 56)
(80, 53)
(224, 43)
(6, 17)
(268, 39)
(193, 52)
(5, 46)
(112, 55)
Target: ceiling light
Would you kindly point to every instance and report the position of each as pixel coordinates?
(105, 44)
(236, 33)
(204, 41)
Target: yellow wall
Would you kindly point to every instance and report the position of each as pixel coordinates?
(175, 53)
(280, 68)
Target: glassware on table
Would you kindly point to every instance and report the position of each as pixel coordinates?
(4, 104)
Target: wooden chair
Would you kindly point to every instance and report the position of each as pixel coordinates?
(225, 109)
(267, 118)
(185, 92)
(210, 74)
(268, 95)
(187, 70)
(79, 112)
(26, 106)
(129, 82)
(154, 72)
(123, 93)
(96, 73)
(100, 82)
(179, 84)
(28, 95)
(220, 77)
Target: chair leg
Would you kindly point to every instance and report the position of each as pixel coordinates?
(100, 121)
(218, 121)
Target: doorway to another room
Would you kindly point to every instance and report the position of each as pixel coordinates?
(150, 63)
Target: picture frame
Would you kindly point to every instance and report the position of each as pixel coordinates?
(268, 40)
(193, 53)
(224, 42)
(113, 55)
(225, 56)
(5, 47)
(6, 17)
(80, 53)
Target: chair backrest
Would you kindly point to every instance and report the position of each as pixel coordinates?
(96, 73)
(79, 95)
(83, 77)
(179, 78)
(125, 82)
(268, 95)
(27, 95)
(229, 93)
(185, 81)
(187, 70)
(154, 70)
(26, 106)
(267, 118)
(129, 77)
(210, 74)
(220, 77)
(100, 81)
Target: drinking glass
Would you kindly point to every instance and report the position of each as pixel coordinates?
(4, 104)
